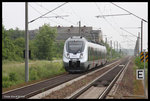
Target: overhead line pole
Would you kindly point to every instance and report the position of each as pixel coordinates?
(114, 45)
(79, 28)
(26, 44)
(111, 47)
(117, 46)
(141, 34)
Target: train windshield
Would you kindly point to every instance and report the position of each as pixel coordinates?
(75, 46)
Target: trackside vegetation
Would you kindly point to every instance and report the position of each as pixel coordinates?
(114, 53)
(140, 64)
(13, 73)
(44, 48)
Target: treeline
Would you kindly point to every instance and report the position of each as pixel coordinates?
(43, 46)
(114, 53)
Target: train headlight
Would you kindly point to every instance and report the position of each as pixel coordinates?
(81, 55)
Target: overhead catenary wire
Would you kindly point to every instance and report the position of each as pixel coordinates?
(48, 12)
(128, 32)
(42, 14)
(106, 19)
(111, 15)
(129, 12)
(57, 15)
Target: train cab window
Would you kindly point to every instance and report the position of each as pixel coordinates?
(75, 46)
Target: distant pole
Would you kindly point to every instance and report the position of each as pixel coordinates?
(117, 46)
(111, 47)
(106, 40)
(114, 45)
(79, 28)
(26, 44)
(141, 34)
(120, 48)
(138, 44)
(144, 75)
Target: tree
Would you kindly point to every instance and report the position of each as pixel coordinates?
(14, 34)
(33, 48)
(3, 38)
(58, 49)
(19, 47)
(44, 42)
(11, 49)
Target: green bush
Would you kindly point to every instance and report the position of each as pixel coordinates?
(5, 78)
(33, 75)
(12, 77)
(6, 84)
(140, 64)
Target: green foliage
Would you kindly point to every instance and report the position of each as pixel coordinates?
(3, 37)
(20, 42)
(140, 64)
(44, 42)
(6, 84)
(14, 34)
(14, 72)
(12, 76)
(33, 74)
(58, 48)
(5, 78)
(115, 54)
(42, 46)
(37, 72)
(11, 49)
(33, 48)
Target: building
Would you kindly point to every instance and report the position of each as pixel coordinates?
(87, 32)
(66, 32)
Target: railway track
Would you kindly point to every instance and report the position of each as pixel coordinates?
(99, 88)
(33, 89)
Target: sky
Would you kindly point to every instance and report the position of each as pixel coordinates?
(13, 15)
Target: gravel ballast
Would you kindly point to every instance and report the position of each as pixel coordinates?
(69, 89)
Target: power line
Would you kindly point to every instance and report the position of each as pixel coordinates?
(111, 15)
(35, 9)
(48, 12)
(128, 32)
(129, 12)
(42, 14)
(106, 19)
(57, 15)
(132, 27)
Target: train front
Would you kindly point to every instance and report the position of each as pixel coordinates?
(74, 55)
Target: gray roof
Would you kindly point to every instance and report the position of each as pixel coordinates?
(66, 32)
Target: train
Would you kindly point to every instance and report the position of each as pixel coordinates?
(80, 55)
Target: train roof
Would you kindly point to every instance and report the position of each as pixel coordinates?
(83, 38)
(77, 38)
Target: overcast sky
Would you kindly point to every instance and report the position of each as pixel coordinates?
(13, 15)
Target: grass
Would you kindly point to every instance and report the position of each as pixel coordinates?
(138, 86)
(13, 73)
